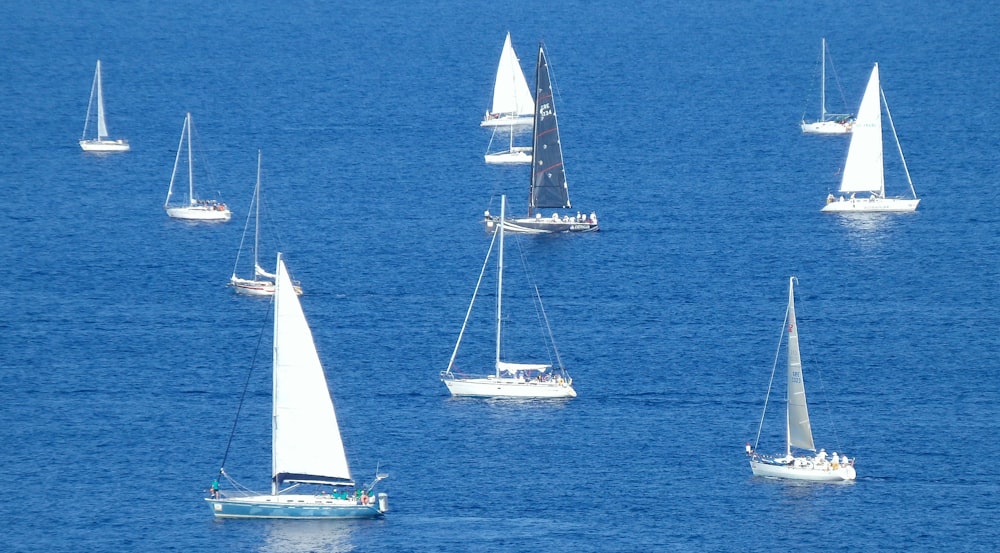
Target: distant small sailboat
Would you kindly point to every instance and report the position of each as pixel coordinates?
(864, 170)
(509, 380)
(101, 142)
(548, 187)
(512, 103)
(798, 431)
(262, 282)
(306, 447)
(828, 123)
(193, 209)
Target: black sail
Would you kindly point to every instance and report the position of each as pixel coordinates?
(548, 176)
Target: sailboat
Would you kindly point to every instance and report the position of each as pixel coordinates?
(306, 447)
(864, 171)
(828, 123)
(193, 209)
(100, 143)
(262, 282)
(512, 155)
(548, 186)
(512, 103)
(509, 380)
(798, 431)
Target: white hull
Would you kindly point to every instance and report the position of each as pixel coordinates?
(803, 468)
(96, 145)
(827, 127)
(508, 120)
(870, 205)
(520, 155)
(509, 387)
(256, 287)
(200, 213)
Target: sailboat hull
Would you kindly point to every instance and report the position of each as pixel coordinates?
(200, 213)
(96, 145)
(803, 469)
(541, 225)
(296, 507)
(508, 388)
(870, 205)
(520, 155)
(507, 120)
(827, 127)
(256, 287)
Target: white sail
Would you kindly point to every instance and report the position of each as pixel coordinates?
(102, 125)
(510, 91)
(863, 170)
(306, 438)
(799, 429)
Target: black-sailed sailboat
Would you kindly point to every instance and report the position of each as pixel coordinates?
(549, 188)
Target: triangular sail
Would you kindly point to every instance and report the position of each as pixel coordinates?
(548, 176)
(863, 170)
(102, 126)
(510, 90)
(799, 429)
(307, 446)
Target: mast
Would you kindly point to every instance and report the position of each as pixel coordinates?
(256, 222)
(276, 304)
(503, 209)
(822, 82)
(187, 124)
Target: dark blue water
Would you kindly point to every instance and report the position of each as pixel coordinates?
(123, 353)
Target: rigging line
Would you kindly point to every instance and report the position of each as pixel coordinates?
(898, 146)
(246, 384)
(536, 301)
(774, 368)
(243, 238)
(468, 312)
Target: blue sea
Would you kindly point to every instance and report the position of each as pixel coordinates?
(124, 354)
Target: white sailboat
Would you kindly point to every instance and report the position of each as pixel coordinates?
(101, 142)
(798, 431)
(306, 447)
(262, 282)
(509, 380)
(864, 170)
(193, 209)
(512, 155)
(828, 123)
(548, 187)
(512, 103)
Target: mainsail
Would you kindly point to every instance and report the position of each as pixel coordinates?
(799, 429)
(548, 176)
(511, 94)
(863, 170)
(306, 446)
(102, 126)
